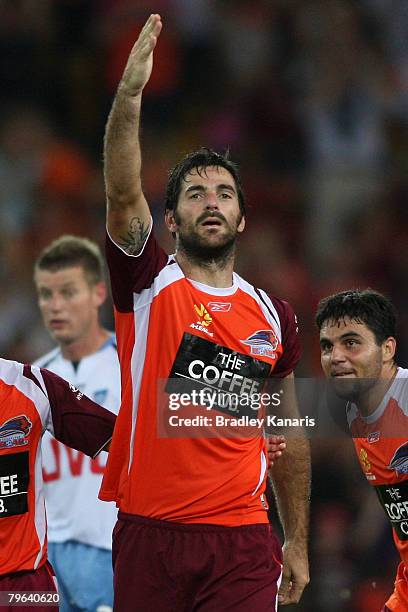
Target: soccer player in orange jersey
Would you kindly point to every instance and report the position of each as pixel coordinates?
(33, 401)
(192, 530)
(357, 340)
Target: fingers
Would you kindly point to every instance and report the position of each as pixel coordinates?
(290, 592)
(276, 447)
(148, 37)
(276, 438)
(150, 25)
(275, 443)
(295, 592)
(152, 28)
(295, 576)
(140, 61)
(284, 589)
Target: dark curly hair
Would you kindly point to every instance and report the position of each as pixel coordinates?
(365, 306)
(203, 158)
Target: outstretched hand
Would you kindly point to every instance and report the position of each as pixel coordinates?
(140, 62)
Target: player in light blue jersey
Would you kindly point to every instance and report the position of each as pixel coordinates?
(70, 286)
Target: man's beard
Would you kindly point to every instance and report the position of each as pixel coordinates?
(355, 389)
(198, 249)
(352, 389)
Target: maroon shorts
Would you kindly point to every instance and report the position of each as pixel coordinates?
(41, 579)
(173, 567)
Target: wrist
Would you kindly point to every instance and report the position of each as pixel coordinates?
(300, 542)
(129, 92)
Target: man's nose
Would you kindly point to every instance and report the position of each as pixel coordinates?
(211, 202)
(55, 303)
(337, 354)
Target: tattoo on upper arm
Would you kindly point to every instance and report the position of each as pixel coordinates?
(136, 236)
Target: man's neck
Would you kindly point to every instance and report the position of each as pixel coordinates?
(213, 273)
(372, 398)
(92, 342)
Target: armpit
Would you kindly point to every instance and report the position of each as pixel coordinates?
(137, 233)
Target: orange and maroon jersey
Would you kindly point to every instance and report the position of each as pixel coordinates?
(171, 328)
(33, 400)
(381, 442)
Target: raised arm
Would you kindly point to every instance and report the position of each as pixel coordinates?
(128, 214)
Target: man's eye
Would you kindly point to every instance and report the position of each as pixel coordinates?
(195, 196)
(351, 342)
(226, 196)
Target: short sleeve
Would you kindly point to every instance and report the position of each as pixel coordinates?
(76, 420)
(131, 274)
(290, 339)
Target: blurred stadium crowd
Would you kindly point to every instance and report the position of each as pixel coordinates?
(311, 98)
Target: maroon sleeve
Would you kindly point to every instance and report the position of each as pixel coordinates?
(290, 339)
(77, 421)
(131, 274)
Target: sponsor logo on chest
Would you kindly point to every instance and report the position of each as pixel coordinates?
(14, 481)
(204, 320)
(373, 437)
(394, 500)
(366, 464)
(201, 364)
(219, 306)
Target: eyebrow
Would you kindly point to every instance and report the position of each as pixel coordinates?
(350, 334)
(66, 285)
(221, 187)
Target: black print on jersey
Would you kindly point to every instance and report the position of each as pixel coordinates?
(204, 365)
(14, 481)
(394, 500)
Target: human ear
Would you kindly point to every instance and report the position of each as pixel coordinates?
(389, 347)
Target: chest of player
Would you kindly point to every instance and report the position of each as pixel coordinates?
(383, 460)
(225, 343)
(385, 464)
(20, 432)
(235, 321)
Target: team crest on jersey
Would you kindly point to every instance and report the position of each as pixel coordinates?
(263, 343)
(399, 462)
(204, 320)
(15, 431)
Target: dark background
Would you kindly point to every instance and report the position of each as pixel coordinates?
(312, 100)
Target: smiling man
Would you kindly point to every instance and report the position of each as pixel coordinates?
(357, 340)
(192, 530)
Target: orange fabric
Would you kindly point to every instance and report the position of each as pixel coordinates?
(188, 480)
(19, 542)
(398, 602)
(375, 458)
